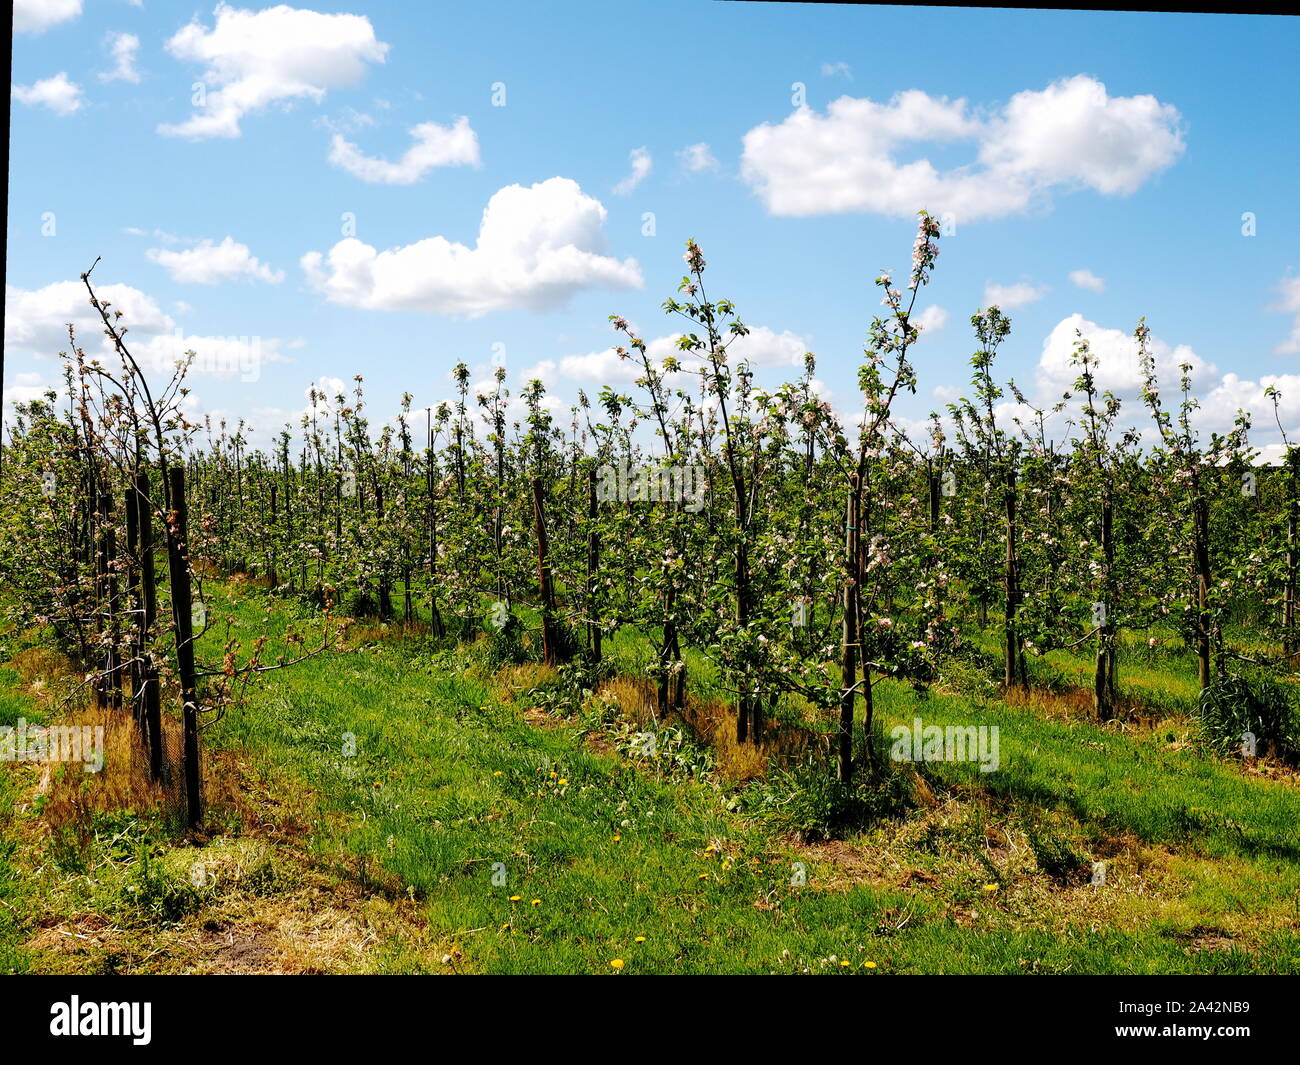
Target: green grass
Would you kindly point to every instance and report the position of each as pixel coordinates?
(1114, 781)
(12, 780)
(453, 803)
(12, 886)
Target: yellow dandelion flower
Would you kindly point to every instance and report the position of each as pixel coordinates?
(868, 964)
(990, 887)
(617, 836)
(845, 962)
(703, 876)
(563, 781)
(640, 939)
(554, 775)
(515, 898)
(537, 902)
(617, 963)
(497, 773)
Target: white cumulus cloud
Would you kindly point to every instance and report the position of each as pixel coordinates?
(26, 387)
(762, 347)
(37, 16)
(931, 320)
(1219, 396)
(208, 264)
(36, 323)
(536, 247)
(1219, 405)
(36, 320)
(435, 146)
(60, 95)
(1071, 134)
(1074, 133)
(1290, 304)
(1117, 367)
(254, 59)
(641, 164)
(123, 47)
(606, 368)
(1009, 297)
(1087, 279)
(697, 158)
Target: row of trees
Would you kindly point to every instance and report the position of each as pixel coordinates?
(99, 545)
(802, 554)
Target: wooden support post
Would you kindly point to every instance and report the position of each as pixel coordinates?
(182, 606)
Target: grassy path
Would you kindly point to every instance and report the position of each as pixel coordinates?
(387, 809)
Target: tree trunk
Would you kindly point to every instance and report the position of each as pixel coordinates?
(593, 571)
(1104, 685)
(275, 532)
(1011, 673)
(150, 695)
(182, 617)
(849, 663)
(135, 645)
(1292, 521)
(113, 649)
(385, 572)
(749, 711)
(551, 651)
(1202, 563)
(435, 615)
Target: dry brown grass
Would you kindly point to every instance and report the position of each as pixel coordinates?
(510, 681)
(319, 918)
(940, 856)
(1073, 704)
(47, 675)
(71, 797)
(373, 631)
(713, 723)
(313, 923)
(635, 698)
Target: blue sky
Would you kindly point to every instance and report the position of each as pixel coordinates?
(1095, 167)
